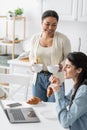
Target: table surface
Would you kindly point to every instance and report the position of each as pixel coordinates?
(45, 111)
(18, 62)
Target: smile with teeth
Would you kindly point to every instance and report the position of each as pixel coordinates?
(49, 31)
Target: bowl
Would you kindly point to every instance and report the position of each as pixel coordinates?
(37, 67)
(53, 68)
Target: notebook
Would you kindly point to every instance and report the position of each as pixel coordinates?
(21, 115)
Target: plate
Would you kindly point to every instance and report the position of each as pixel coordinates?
(52, 115)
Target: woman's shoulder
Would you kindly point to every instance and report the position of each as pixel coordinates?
(83, 87)
(60, 35)
(82, 90)
(35, 38)
(36, 35)
(63, 39)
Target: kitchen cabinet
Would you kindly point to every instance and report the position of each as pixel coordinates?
(68, 10)
(82, 10)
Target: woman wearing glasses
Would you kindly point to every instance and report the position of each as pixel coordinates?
(48, 48)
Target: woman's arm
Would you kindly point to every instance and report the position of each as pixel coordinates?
(57, 86)
(78, 108)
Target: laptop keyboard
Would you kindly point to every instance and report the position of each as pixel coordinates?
(17, 114)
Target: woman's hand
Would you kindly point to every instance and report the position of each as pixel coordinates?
(55, 83)
(31, 66)
(54, 86)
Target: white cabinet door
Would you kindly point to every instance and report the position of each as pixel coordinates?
(82, 10)
(67, 9)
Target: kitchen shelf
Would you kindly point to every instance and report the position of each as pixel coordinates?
(7, 42)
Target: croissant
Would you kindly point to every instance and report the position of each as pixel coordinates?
(49, 91)
(34, 100)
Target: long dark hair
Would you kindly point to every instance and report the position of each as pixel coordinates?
(50, 13)
(79, 60)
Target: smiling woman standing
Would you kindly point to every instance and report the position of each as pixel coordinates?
(48, 48)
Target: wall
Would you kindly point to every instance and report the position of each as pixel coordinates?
(77, 32)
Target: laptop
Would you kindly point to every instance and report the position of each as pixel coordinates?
(21, 115)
